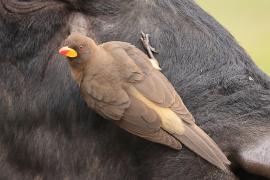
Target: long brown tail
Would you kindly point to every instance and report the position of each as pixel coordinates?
(199, 142)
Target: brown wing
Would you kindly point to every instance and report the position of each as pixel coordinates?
(108, 99)
(142, 121)
(153, 97)
(155, 86)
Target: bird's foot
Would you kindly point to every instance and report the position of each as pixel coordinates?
(146, 44)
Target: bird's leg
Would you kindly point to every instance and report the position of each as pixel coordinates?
(146, 44)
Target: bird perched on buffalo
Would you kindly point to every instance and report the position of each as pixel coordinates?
(119, 82)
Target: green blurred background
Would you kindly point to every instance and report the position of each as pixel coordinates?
(248, 21)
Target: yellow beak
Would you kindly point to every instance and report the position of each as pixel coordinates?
(69, 52)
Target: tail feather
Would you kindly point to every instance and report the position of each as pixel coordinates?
(199, 142)
(212, 144)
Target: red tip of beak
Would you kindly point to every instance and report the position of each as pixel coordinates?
(63, 52)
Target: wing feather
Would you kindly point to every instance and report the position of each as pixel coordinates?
(155, 86)
(144, 122)
(107, 99)
(156, 110)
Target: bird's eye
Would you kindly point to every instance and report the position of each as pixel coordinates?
(81, 46)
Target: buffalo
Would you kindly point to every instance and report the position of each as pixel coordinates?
(48, 132)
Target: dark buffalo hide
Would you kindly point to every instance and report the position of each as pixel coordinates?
(47, 131)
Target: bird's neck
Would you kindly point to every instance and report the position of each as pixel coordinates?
(77, 70)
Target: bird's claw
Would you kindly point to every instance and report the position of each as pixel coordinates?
(146, 43)
(145, 38)
(153, 49)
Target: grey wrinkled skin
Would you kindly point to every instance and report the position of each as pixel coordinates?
(47, 131)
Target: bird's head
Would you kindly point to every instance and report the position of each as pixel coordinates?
(77, 48)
